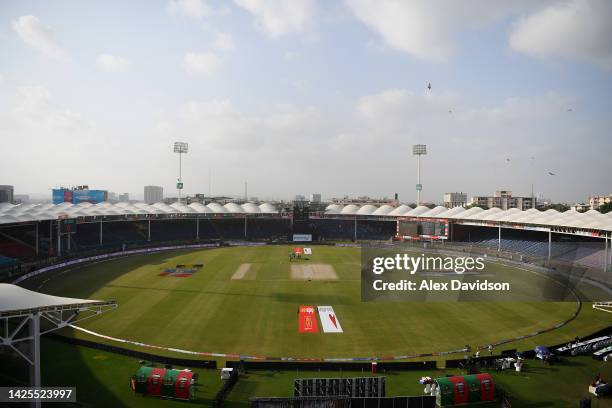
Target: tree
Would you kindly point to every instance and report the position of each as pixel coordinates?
(484, 207)
(606, 208)
(558, 207)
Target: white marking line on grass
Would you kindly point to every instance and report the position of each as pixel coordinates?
(242, 270)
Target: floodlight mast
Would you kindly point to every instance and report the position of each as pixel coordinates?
(418, 151)
(180, 148)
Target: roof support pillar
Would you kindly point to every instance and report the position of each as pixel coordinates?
(35, 354)
(149, 231)
(197, 228)
(549, 244)
(50, 237)
(59, 239)
(610, 251)
(606, 254)
(100, 232)
(499, 237)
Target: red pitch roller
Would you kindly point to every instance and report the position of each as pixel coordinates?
(307, 320)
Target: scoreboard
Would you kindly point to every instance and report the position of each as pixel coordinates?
(422, 228)
(347, 387)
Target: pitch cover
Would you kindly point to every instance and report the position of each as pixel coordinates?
(307, 320)
(329, 320)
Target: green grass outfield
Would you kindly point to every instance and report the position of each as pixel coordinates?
(102, 380)
(257, 315)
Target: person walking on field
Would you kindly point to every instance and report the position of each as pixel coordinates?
(490, 349)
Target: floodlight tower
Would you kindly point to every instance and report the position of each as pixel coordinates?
(418, 151)
(180, 148)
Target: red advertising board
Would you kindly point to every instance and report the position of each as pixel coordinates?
(67, 196)
(307, 320)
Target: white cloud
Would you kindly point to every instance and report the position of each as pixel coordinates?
(577, 29)
(291, 55)
(467, 139)
(196, 9)
(38, 36)
(397, 111)
(426, 28)
(56, 133)
(279, 17)
(203, 63)
(218, 124)
(374, 139)
(223, 42)
(112, 63)
(35, 120)
(35, 107)
(300, 85)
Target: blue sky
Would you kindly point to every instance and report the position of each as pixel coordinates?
(308, 96)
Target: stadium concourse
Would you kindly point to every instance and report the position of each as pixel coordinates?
(30, 232)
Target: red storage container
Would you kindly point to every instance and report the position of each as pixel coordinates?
(460, 390)
(155, 381)
(183, 384)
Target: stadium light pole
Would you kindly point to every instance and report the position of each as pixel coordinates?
(418, 151)
(180, 148)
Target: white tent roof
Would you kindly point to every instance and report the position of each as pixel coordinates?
(401, 210)
(592, 220)
(383, 210)
(251, 208)
(268, 208)
(417, 211)
(367, 209)
(217, 208)
(349, 209)
(234, 208)
(433, 212)
(10, 213)
(14, 299)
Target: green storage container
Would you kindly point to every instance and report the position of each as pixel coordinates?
(169, 384)
(446, 395)
(473, 384)
(141, 378)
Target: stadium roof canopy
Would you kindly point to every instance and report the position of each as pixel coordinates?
(10, 213)
(572, 219)
(15, 300)
(590, 220)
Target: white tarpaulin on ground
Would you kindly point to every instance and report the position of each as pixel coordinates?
(329, 321)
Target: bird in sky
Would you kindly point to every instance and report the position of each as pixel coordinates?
(507, 160)
(550, 173)
(429, 86)
(570, 109)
